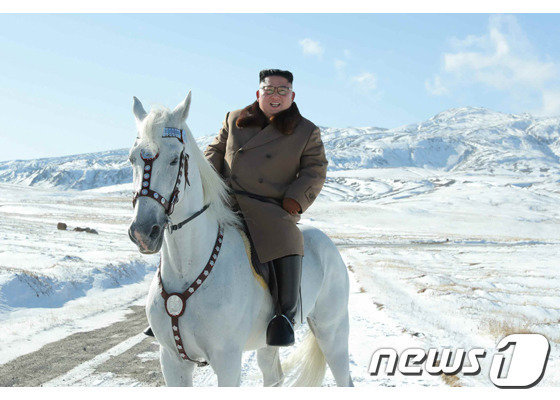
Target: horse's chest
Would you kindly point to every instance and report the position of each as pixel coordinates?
(186, 333)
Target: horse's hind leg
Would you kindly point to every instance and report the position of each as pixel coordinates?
(268, 359)
(333, 341)
(176, 372)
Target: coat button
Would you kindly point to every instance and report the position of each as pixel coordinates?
(269, 156)
(240, 151)
(260, 180)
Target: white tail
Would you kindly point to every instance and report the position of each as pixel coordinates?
(308, 361)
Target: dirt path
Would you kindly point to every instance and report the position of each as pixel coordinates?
(74, 359)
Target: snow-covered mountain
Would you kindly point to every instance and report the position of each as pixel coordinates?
(459, 139)
(82, 171)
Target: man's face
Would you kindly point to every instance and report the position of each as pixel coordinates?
(271, 104)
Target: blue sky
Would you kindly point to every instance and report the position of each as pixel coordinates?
(67, 81)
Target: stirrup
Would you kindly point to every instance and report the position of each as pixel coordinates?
(280, 331)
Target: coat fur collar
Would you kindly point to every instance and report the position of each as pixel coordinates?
(285, 121)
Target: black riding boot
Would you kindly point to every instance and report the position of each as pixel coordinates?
(280, 331)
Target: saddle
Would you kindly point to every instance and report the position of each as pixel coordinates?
(264, 272)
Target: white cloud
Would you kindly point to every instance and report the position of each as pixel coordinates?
(311, 47)
(502, 58)
(436, 87)
(551, 103)
(339, 64)
(366, 80)
(494, 60)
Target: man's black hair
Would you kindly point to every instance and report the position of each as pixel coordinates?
(276, 72)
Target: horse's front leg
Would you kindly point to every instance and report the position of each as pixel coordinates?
(176, 372)
(226, 363)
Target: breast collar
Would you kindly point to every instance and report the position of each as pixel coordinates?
(176, 303)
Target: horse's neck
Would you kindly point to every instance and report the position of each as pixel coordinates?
(186, 251)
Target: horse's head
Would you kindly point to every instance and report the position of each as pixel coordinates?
(161, 176)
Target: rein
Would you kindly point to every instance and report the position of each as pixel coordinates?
(182, 223)
(272, 200)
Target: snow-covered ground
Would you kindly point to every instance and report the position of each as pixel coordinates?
(437, 259)
(455, 259)
(53, 282)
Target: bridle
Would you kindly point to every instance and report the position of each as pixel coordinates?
(145, 191)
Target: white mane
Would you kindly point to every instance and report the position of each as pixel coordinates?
(216, 192)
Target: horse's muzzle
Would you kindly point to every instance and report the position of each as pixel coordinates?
(148, 237)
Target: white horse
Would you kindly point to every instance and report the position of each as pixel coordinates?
(229, 311)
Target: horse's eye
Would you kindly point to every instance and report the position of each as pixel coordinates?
(175, 161)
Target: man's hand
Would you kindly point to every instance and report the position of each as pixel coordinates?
(291, 206)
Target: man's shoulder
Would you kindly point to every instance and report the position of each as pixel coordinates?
(307, 125)
(233, 115)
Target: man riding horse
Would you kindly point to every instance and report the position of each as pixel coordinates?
(274, 161)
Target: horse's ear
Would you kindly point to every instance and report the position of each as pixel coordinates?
(182, 110)
(138, 110)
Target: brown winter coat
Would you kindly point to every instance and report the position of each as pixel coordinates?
(281, 159)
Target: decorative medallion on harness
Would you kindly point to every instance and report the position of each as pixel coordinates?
(175, 303)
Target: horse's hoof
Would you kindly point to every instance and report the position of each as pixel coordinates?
(148, 331)
(280, 332)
